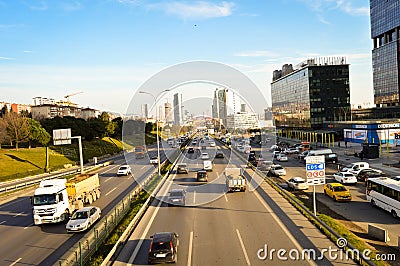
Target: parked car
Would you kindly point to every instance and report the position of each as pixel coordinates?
(177, 197)
(191, 150)
(219, 154)
(345, 177)
(364, 174)
(277, 170)
(202, 176)
(264, 165)
(182, 168)
(355, 168)
(204, 156)
(291, 150)
(83, 219)
(282, 157)
(154, 160)
(124, 170)
(163, 248)
(337, 191)
(297, 183)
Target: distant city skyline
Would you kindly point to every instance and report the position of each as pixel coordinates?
(107, 49)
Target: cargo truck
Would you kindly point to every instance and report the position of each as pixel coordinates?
(235, 180)
(140, 152)
(56, 199)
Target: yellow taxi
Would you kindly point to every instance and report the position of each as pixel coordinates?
(337, 191)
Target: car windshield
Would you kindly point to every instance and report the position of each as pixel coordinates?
(123, 168)
(279, 168)
(176, 194)
(299, 181)
(80, 215)
(44, 199)
(201, 174)
(339, 188)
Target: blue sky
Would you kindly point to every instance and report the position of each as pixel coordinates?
(108, 48)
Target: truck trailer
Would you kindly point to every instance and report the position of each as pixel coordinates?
(235, 180)
(56, 199)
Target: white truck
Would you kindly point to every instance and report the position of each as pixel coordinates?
(56, 199)
(235, 180)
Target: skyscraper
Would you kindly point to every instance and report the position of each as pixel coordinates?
(178, 109)
(168, 112)
(145, 112)
(219, 108)
(385, 27)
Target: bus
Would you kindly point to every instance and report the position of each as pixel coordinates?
(384, 193)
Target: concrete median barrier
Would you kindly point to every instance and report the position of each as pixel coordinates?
(378, 233)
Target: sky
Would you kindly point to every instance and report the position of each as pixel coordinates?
(108, 48)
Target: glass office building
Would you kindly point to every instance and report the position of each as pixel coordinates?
(385, 27)
(312, 96)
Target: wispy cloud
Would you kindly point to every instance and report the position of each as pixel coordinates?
(195, 10)
(346, 6)
(27, 51)
(129, 2)
(72, 6)
(257, 54)
(6, 58)
(40, 6)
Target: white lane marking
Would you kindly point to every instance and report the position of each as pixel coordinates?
(111, 168)
(226, 198)
(146, 230)
(143, 167)
(282, 226)
(110, 191)
(108, 179)
(15, 262)
(243, 247)
(18, 214)
(2, 222)
(28, 226)
(189, 261)
(194, 197)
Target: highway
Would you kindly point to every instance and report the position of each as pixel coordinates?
(216, 228)
(23, 243)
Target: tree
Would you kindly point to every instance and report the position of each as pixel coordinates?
(18, 128)
(38, 133)
(3, 111)
(3, 132)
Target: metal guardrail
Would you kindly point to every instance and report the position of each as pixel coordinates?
(37, 180)
(359, 256)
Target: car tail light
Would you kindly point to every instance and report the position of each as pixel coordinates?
(151, 246)
(172, 247)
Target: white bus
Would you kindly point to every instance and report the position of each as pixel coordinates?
(384, 192)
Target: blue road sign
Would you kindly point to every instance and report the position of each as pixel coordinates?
(316, 166)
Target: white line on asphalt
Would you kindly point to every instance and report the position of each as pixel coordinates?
(194, 197)
(143, 167)
(18, 214)
(108, 179)
(146, 230)
(2, 222)
(106, 171)
(15, 262)
(28, 226)
(243, 248)
(189, 261)
(279, 222)
(226, 198)
(110, 191)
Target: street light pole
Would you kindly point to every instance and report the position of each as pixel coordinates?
(158, 141)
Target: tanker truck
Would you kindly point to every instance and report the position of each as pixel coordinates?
(56, 199)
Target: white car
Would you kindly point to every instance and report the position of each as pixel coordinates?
(82, 219)
(345, 177)
(154, 160)
(282, 157)
(212, 144)
(297, 183)
(277, 170)
(124, 170)
(204, 156)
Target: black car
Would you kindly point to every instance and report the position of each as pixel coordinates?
(364, 174)
(219, 154)
(191, 150)
(163, 248)
(252, 159)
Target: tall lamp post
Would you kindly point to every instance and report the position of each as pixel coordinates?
(158, 141)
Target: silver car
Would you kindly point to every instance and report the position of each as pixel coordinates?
(83, 218)
(177, 197)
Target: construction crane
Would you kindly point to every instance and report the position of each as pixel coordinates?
(72, 94)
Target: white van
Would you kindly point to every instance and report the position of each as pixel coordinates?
(355, 168)
(207, 165)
